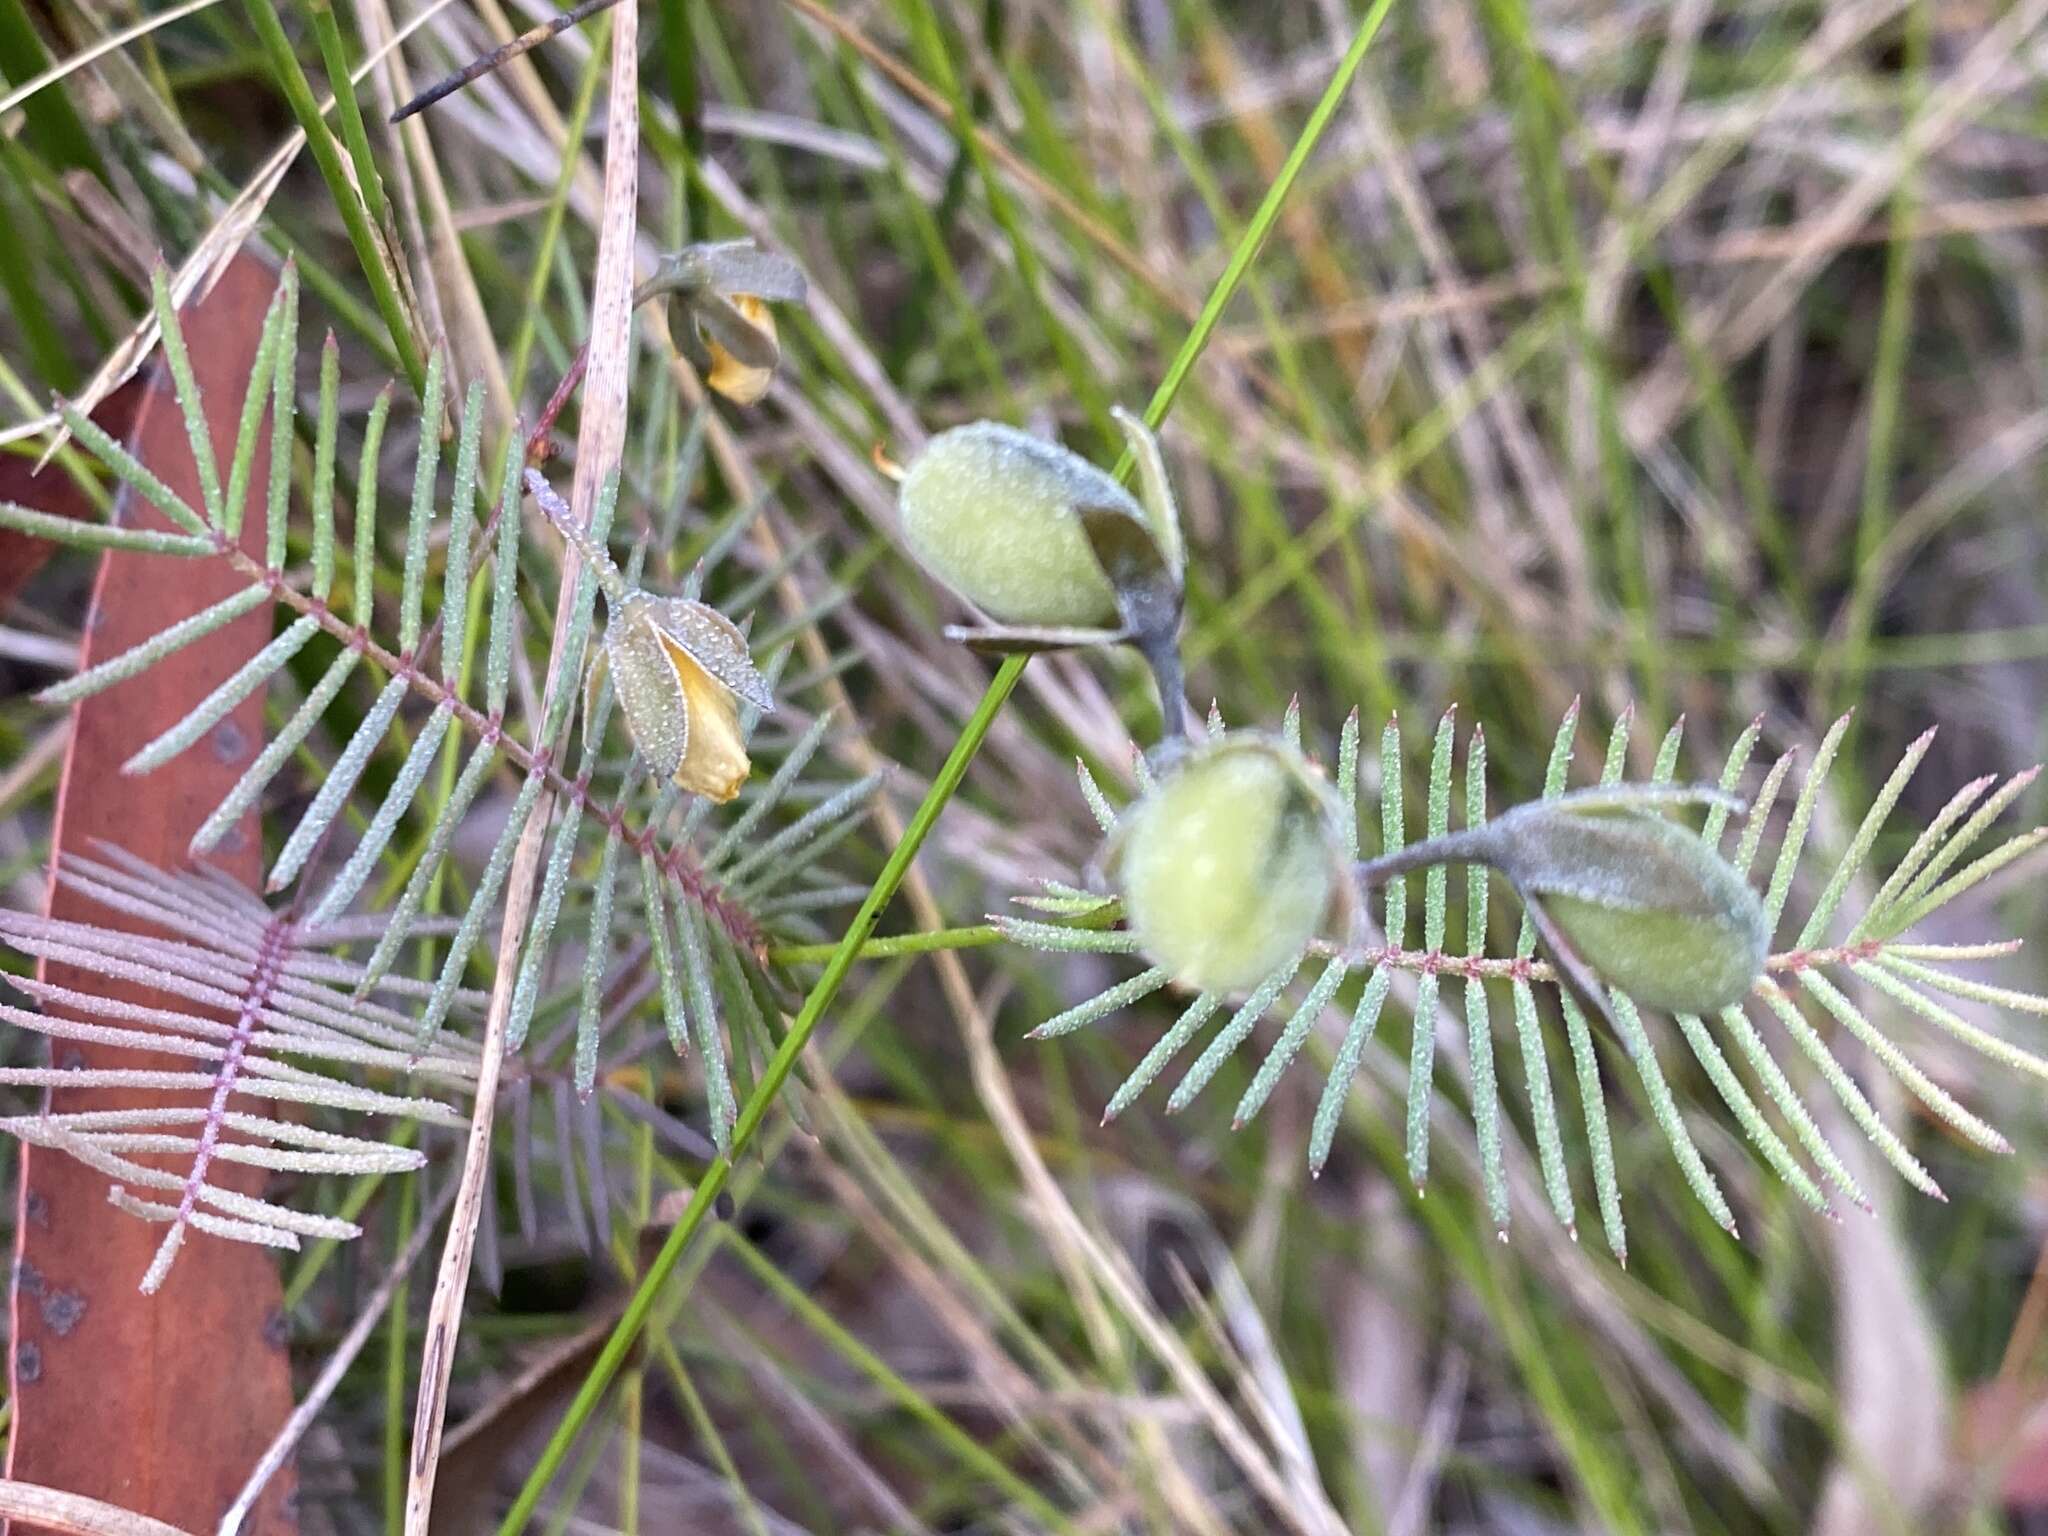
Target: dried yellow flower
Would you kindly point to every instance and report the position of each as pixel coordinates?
(681, 672)
(721, 292)
(739, 382)
(680, 669)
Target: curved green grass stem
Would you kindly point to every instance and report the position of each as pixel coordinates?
(754, 1113)
(922, 943)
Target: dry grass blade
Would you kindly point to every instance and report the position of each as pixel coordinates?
(600, 437)
(73, 1514)
(111, 43)
(203, 264)
(1979, 79)
(339, 1359)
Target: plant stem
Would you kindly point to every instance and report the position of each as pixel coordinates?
(755, 1111)
(896, 944)
(353, 134)
(320, 139)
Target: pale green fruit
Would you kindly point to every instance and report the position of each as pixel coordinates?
(1649, 906)
(1227, 864)
(994, 513)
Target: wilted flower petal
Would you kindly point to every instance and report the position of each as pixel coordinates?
(733, 266)
(707, 658)
(739, 381)
(715, 762)
(722, 290)
(680, 668)
(714, 642)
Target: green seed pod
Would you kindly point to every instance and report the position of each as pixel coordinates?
(996, 514)
(1647, 904)
(1622, 896)
(1054, 552)
(1227, 864)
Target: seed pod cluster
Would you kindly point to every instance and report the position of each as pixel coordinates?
(1228, 863)
(1225, 866)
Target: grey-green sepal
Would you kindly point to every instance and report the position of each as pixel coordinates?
(726, 267)
(722, 290)
(649, 693)
(708, 638)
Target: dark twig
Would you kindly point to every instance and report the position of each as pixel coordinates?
(476, 69)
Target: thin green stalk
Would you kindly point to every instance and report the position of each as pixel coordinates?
(1352, 633)
(1887, 389)
(963, 1445)
(335, 61)
(1080, 376)
(922, 943)
(679, 60)
(396, 1356)
(291, 78)
(558, 206)
(754, 1113)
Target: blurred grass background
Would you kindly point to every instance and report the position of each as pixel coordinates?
(1686, 357)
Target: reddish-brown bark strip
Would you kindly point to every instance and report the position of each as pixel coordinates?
(159, 1404)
